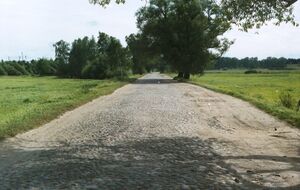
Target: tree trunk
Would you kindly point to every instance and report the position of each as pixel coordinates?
(180, 75)
(187, 75)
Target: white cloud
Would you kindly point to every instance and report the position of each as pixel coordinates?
(32, 26)
(275, 41)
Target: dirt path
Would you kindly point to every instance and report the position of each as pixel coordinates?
(156, 134)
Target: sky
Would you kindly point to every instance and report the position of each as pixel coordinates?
(31, 27)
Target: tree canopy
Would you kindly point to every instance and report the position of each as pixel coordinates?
(186, 34)
(246, 14)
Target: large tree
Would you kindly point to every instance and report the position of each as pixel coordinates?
(186, 33)
(246, 13)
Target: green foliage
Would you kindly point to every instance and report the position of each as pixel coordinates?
(247, 14)
(286, 99)
(2, 70)
(144, 59)
(105, 2)
(11, 70)
(88, 58)
(62, 54)
(20, 68)
(184, 32)
(81, 51)
(44, 67)
(95, 69)
(40, 67)
(260, 89)
(253, 13)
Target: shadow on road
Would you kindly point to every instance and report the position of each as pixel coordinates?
(155, 81)
(155, 163)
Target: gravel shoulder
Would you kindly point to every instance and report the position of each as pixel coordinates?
(156, 134)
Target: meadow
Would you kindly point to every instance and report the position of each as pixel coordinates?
(28, 102)
(262, 89)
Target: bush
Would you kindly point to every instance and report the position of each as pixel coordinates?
(95, 70)
(2, 71)
(251, 72)
(286, 99)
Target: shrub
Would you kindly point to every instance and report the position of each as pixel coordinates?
(95, 70)
(251, 72)
(286, 99)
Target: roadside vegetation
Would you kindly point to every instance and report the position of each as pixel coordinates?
(28, 102)
(276, 92)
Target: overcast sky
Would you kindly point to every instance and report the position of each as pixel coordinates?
(33, 26)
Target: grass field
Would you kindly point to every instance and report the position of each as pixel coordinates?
(262, 90)
(27, 102)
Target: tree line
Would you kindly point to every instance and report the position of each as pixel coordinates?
(42, 67)
(253, 63)
(100, 58)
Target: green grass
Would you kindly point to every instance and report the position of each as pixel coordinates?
(28, 102)
(262, 89)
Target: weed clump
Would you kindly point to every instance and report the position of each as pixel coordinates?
(286, 99)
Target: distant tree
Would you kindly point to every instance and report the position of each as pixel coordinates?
(143, 57)
(98, 59)
(81, 52)
(250, 63)
(44, 67)
(19, 67)
(11, 70)
(115, 56)
(2, 70)
(62, 54)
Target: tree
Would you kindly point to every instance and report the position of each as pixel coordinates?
(91, 58)
(10, 70)
(2, 70)
(247, 13)
(115, 56)
(81, 52)
(138, 50)
(252, 13)
(62, 54)
(185, 33)
(45, 67)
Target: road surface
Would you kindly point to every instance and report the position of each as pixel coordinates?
(156, 134)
